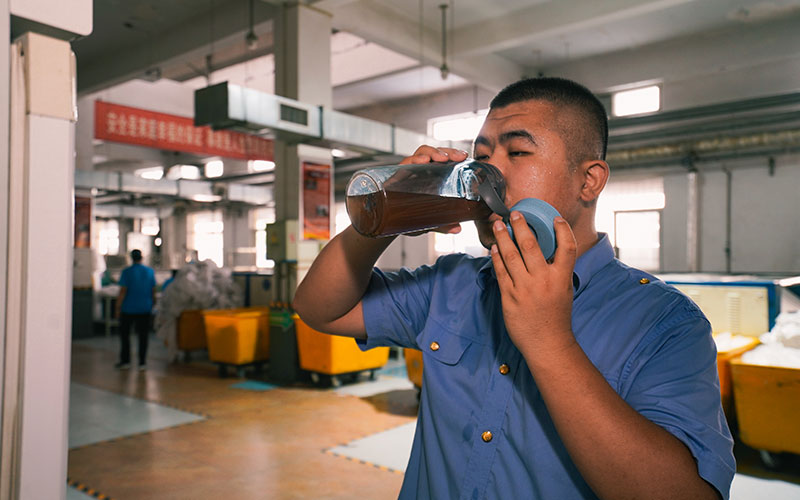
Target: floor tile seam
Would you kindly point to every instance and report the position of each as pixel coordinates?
(364, 462)
(364, 436)
(86, 489)
(136, 434)
(154, 401)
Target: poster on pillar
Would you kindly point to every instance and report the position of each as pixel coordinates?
(83, 222)
(316, 201)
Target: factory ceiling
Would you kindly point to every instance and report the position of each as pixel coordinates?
(384, 50)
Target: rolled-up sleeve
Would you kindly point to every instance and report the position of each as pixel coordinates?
(395, 307)
(674, 383)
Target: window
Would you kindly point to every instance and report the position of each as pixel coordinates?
(150, 226)
(636, 101)
(261, 217)
(638, 238)
(466, 241)
(461, 127)
(630, 212)
(205, 236)
(108, 234)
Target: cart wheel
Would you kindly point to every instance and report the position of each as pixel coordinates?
(240, 371)
(314, 378)
(335, 381)
(769, 459)
(373, 375)
(222, 370)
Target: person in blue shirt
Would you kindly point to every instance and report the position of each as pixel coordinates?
(577, 377)
(137, 296)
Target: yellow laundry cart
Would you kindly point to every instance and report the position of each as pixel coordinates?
(724, 358)
(237, 337)
(767, 400)
(331, 359)
(191, 332)
(413, 359)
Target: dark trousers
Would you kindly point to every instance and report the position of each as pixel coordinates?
(141, 322)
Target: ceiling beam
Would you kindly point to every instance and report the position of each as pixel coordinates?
(547, 20)
(379, 24)
(187, 41)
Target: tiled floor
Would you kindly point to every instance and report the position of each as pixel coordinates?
(178, 431)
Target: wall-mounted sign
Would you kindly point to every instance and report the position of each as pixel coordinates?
(316, 201)
(117, 123)
(83, 222)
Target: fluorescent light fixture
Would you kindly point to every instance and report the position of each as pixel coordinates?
(214, 168)
(153, 173)
(636, 101)
(338, 153)
(461, 127)
(157, 242)
(260, 165)
(206, 198)
(183, 172)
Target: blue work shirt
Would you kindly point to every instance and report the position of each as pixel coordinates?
(139, 281)
(650, 342)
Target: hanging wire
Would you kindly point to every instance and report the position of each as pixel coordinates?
(445, 71)
(210, 55)
(421, 46)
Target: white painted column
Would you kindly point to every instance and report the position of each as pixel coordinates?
(302, 72)
(39, 281)
(6, 414)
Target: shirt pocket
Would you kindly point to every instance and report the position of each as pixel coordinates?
(440, 344)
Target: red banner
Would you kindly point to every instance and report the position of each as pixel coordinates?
(316, 201)
(113, 122)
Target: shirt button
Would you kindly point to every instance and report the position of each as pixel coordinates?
(434, 346)
(504, 369)
(644, 281)
(486, 436)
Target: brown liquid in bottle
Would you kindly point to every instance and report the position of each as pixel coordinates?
(391, 212)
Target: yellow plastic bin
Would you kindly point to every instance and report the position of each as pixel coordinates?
(724, 371)
(414, 366)
(328, 357)
(767, 400)
(191, 331)
(237, 337)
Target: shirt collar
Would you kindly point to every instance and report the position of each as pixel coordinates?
(585, 267)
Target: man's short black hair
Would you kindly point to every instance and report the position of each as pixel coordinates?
(568, 94)
(136, 255)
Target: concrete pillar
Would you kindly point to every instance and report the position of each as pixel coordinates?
(39, 262)
(173, 239)
(302, 72)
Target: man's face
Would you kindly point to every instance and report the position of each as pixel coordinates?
(524, 141)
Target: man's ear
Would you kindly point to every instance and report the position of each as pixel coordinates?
(595, 176)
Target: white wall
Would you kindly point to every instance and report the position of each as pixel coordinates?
(765, 216)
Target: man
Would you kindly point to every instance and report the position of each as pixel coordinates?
(137, 295)
(564, 379)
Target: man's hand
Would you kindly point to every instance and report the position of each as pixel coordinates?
(536, 295)
(428, 154)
